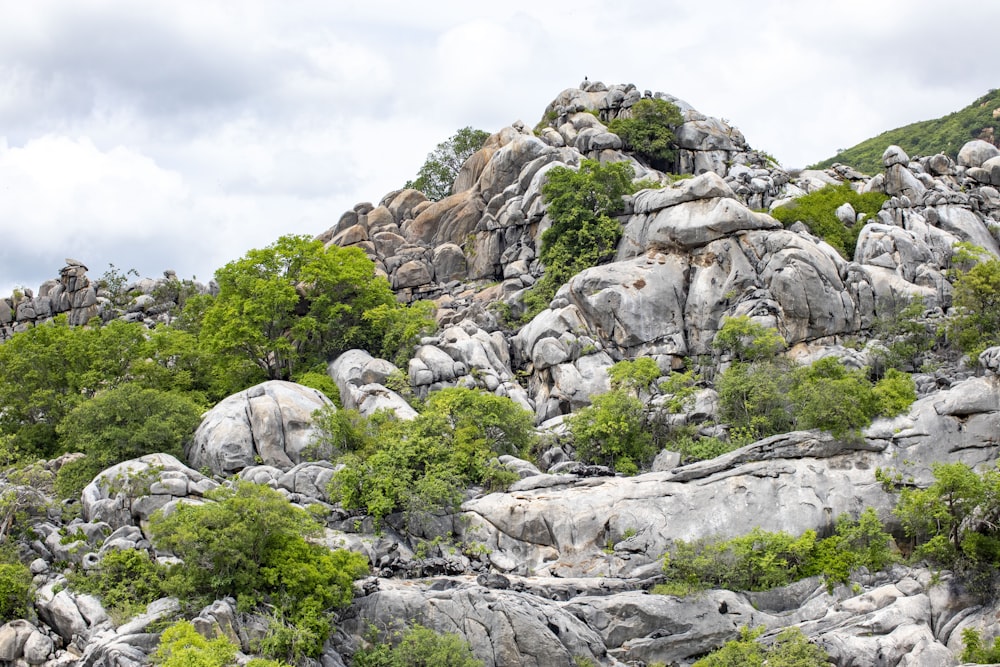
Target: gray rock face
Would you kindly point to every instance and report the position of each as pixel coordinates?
(360, 379)
(271, 422)
(505, 627)
(976, 152)
(127, 494)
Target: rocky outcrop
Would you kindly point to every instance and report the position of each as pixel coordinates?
(560, 567)
(81, 300)
(270, 423)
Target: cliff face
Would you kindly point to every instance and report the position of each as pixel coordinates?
(559, 567)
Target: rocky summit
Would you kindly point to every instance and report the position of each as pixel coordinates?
(562, 567)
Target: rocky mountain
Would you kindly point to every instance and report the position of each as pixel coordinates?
(558, 569)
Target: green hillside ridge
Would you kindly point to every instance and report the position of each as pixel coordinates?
(946, 135)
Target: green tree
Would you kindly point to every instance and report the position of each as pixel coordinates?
(125, 581)
(747, 340)
(294, 305)
(438, 172)
(581, 204)
(124, 423)
(975, 324)
(612, 431)
(955, 518)
(827, 396)
(634, 376)
(753, 398)
(402, 328)
(649, 131)
(976, 651)
(906, 335)
(761, 560)
(182, 646)
(250, 543)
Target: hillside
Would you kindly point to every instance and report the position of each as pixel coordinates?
(979, 120)
(579, 411)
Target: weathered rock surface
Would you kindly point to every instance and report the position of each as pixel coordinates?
(270, 423)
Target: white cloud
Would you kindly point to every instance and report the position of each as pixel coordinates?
(178, 135)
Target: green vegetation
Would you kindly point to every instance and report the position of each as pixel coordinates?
(975, 325)
(614, 429)
(581, 203)
(294, 305)
(763, 395)
(126, 581)
(649, 131)
(419, 646)
(16, 590)
(954, 522)
(250, 543)
(438, 172)
(422, 466)
(635, 376)
(761, 560)
(907, 338)
(817, 210)
(182, 646)
(943, 135)
(49, 370)
(791, 648)
(975, 651)
(123, 423)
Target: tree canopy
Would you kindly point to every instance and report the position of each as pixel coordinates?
(438, 172)
(296, 304)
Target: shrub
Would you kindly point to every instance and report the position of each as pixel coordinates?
(580, 204)
(635, 375)
(975, 324)
(761, 560)
(692, 448)
(422, 466)
(975, 651)
(250, 543)
(828, 396)
(818, 211)
(791, 648)
(649, 130)
(182, 646)
(906, 337)
(747, 340)
(953, 521)
(130, 421)
(419, 646)
(16, 591)
(753, 398)
(126, 581)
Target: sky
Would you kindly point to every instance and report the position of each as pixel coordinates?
(178, 134)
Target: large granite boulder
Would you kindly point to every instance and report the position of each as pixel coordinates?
(270, 423)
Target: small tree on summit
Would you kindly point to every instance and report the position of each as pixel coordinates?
(438, 173)
(650, 131)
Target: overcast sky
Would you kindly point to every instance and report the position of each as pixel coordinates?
(178, 134)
